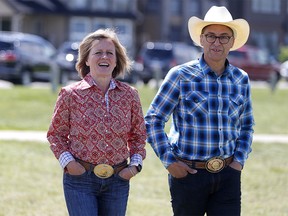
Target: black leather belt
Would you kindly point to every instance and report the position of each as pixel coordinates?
(213, 165)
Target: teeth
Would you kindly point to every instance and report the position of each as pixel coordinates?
(104, 64)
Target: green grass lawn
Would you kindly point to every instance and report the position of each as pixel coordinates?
(31, 109)
(31, 183)
(31, 178)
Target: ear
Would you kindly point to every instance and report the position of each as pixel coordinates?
(87, 64)
(201, 39)
(232, 43)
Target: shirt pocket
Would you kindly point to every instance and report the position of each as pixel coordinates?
(236, 102)
(196, 103)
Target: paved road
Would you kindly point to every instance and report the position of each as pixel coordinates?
(41, 136)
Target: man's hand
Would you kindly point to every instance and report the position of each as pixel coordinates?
(236, 165)
(179, 169)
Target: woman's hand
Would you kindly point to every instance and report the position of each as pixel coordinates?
(128, 172)
(75, 168)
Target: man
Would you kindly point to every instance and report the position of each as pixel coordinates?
(212, 120)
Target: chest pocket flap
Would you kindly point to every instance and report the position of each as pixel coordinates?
(197, 96)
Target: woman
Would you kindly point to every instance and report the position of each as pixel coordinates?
(97, 125)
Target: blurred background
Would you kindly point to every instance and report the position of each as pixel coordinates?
(154, 32)
(39, 42)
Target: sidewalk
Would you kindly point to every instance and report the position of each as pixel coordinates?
(41, 136)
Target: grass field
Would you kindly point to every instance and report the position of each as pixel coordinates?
(30, 177)
(31, 184)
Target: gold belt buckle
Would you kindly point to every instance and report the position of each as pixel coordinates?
(103, 171)
(215, 164)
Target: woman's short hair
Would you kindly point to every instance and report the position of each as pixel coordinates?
(123, 62)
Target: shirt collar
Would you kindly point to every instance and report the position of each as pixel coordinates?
(88, 82)
(206, 69)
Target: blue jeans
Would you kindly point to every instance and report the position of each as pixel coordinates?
(204, 192)
(88, 195)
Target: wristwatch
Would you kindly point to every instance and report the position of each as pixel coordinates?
(139, 168)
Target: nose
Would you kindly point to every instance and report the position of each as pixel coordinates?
(104, 55)
(217, 41)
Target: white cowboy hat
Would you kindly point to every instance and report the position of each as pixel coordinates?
(220, 15)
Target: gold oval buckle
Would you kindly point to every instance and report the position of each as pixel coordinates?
(215, 164)
(103, 171)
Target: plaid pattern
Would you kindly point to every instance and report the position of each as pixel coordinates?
(212, 115)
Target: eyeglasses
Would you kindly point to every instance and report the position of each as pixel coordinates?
(222, 39)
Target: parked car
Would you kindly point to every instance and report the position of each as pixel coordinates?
(25, 57)
(162, 56)
(284, 70)
(66, 59)
(256, 62)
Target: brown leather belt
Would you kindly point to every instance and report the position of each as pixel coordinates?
(213, 165)
(103, 170)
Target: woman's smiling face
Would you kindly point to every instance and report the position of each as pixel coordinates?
(102, 58)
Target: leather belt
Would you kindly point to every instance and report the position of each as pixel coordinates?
(213, 165)
(103, 170)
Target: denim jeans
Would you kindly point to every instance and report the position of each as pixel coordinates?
(88, 195)
(204, 192)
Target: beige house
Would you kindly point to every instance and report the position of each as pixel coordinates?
(70, 20)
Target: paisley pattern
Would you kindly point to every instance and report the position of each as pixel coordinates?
(85, 126)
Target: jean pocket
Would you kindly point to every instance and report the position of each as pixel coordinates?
(121, 178)
(75, 176)
(233, 170)
(181, 178)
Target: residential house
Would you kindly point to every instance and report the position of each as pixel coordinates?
(70, 20)
(139, 21)
(167, 20)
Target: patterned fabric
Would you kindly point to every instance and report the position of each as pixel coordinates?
(83, 125)
(212, 115)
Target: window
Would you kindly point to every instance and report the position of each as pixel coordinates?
(124, 30)
(264, 6)
(152, 6)
(77, 4)
(103, 5)
(101, 23)
(176, 7)
(193, 7)
(79, 28)
(122, 5)
(5, 24)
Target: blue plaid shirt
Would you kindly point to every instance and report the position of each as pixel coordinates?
(212, 115)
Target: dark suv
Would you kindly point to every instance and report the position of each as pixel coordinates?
(66, 59)
(25, 57)
(162, 56)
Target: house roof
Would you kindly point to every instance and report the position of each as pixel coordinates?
(57, 7)
(37, 6)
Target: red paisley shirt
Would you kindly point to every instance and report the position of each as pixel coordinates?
(85, 126)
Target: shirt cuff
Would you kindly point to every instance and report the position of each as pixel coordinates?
(65, 158)
(136, 160)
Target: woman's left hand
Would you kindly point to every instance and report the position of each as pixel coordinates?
(128, 172)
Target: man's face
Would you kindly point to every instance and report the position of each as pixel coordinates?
(217, 41)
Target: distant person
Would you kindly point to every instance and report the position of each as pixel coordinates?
(97, 128)
(212, 120)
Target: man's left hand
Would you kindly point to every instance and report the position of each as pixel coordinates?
(236, 165)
